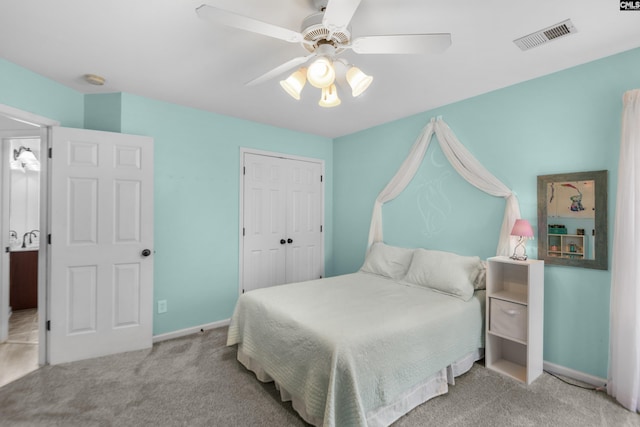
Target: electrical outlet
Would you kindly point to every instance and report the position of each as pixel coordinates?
(162, 306)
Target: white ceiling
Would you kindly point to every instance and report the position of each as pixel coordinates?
(162, 50)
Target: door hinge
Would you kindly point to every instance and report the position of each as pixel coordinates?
(48, 325)
(320, 178)
(7, 249)
(321, 229)
(50, 152)
(243, 291)
(244, 170)
(49, 238)
(321, 276)
(242, 231)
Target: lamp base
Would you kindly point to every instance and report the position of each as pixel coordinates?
(522, 256)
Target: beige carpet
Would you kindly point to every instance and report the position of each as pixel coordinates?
(196, 381)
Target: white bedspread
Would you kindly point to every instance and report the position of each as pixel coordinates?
(348, 345)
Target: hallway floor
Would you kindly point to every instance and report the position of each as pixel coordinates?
(19, 354)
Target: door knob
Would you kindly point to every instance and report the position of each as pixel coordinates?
(282, 241)
(146, 252)
(289, 240)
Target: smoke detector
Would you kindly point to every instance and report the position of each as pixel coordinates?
(543, 36)
(94, 79)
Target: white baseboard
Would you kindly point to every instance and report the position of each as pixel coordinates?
(576, 375)
(189, 331)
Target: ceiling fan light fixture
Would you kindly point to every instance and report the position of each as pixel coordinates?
(329, 97)
(321, 73)
(294, 84)
(325, 35)
(358, 81)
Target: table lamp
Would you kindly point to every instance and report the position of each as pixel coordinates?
(522, 229)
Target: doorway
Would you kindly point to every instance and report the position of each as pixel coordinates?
(23, 308)
(22, 185)
(95, 281)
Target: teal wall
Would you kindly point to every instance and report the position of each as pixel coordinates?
(103, 112)
(564, 122)
(196, 166)
(28, 91)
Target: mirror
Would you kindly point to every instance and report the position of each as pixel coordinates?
(572, 219)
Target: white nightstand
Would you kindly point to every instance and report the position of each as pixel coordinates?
(515, 298)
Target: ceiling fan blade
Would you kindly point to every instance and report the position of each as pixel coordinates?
(338, 14)
(230, 19)
(281, 69)
(403, 43)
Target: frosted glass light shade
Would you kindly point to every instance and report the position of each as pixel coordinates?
(29, 161)
(358, 81)
(294, 84)
(329, 97)
(321, 73)
(16, 165)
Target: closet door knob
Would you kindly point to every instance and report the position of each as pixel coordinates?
(289, 240)
(146, 252)
(282, 241)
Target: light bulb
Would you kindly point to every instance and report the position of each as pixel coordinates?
(294, 84)
(321, 73)
(329, 97)
(358, 81)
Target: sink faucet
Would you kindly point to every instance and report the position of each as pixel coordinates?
(24, 239)
(31, 234)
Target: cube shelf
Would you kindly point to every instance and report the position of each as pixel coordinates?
(514, 310)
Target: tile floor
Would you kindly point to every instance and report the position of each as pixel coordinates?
(19, 354)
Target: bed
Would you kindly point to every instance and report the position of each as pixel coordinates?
(363, 349)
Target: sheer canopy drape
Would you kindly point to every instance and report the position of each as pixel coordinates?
(624, 344)
(464, 163)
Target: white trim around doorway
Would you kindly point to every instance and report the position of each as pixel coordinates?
(43, 123)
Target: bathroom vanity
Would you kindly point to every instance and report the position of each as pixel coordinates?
(23, 278)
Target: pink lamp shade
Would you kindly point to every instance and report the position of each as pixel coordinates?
(522, 228)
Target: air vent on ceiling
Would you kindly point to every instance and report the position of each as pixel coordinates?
(562, 29)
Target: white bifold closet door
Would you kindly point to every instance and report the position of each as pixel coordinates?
(282, 221)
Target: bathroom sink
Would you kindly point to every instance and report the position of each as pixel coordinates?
(19, 248)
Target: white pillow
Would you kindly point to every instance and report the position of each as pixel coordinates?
(388, 261)
(480, 281)
(444, 272)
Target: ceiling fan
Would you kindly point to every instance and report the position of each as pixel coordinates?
(325, 35)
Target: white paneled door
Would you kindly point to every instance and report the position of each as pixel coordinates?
(282, 221)
(101, 268)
